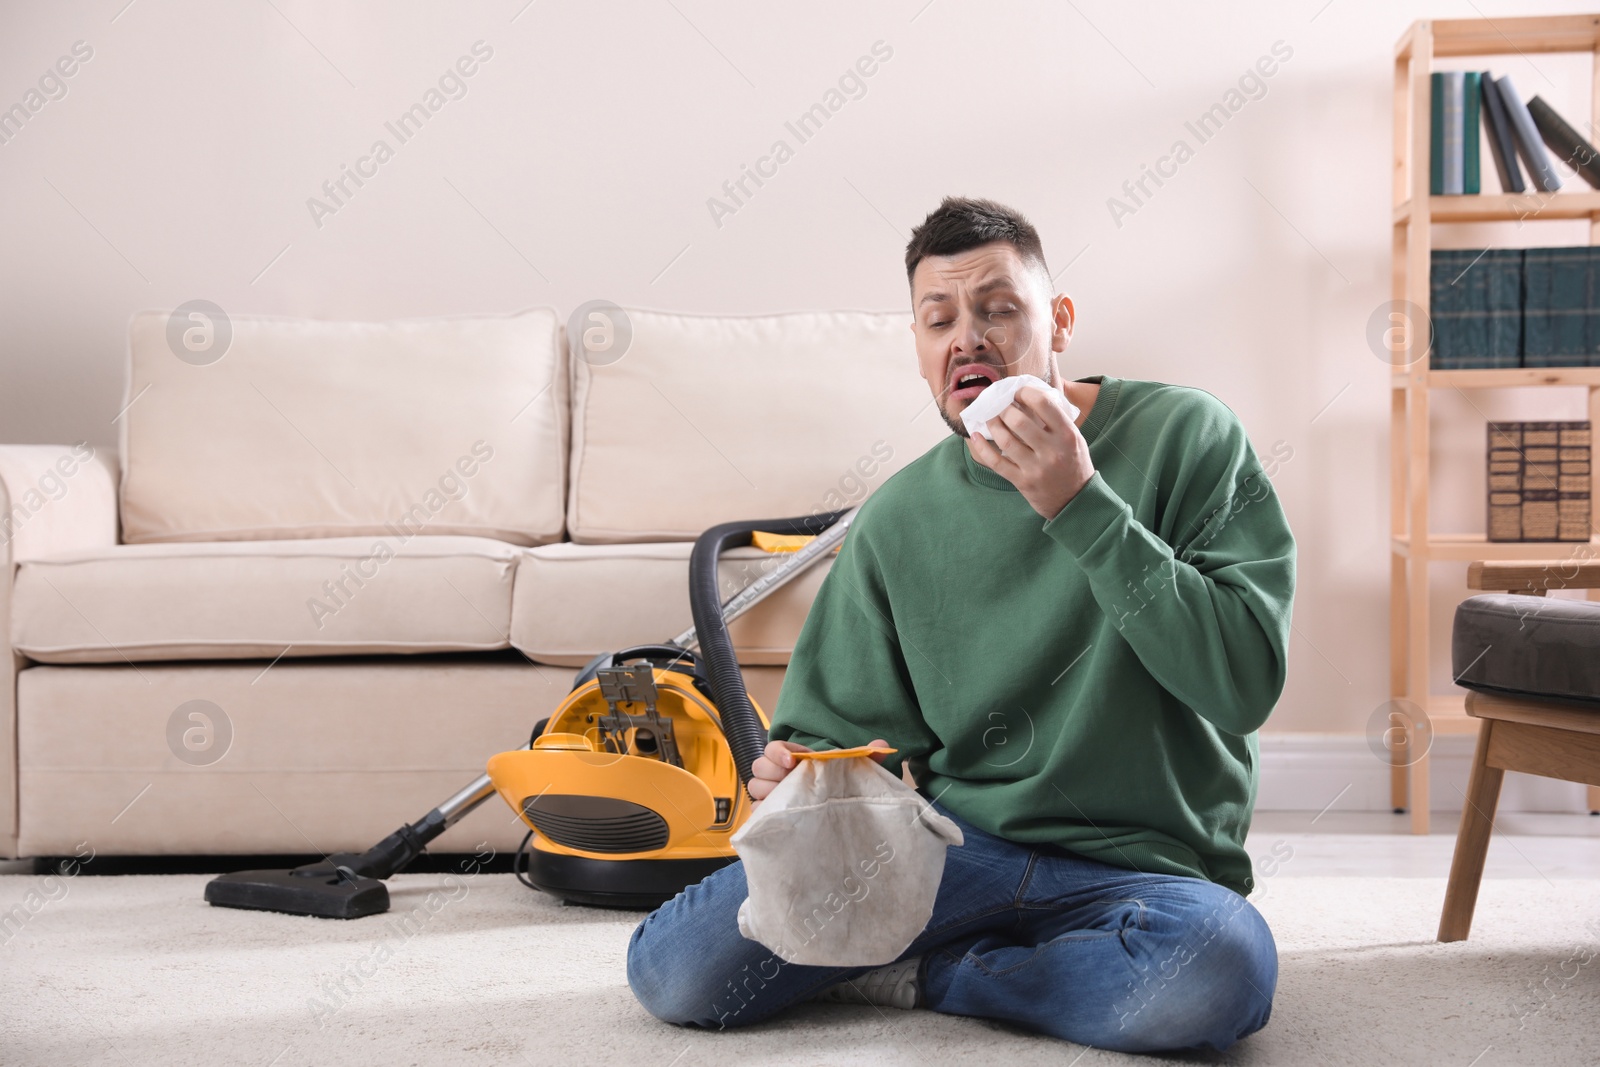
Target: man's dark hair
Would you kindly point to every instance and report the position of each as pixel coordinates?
(962, 223)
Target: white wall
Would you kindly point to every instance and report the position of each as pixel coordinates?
(581, 159)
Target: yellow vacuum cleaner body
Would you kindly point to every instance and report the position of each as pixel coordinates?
(630, 791)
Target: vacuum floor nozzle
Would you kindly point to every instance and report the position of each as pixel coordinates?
(322, 889)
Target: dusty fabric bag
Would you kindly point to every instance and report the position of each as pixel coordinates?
(843, 861)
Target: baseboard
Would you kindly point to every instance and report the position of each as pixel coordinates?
(1306, 772)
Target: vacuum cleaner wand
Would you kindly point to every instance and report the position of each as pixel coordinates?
(770, 583)
(349, 885)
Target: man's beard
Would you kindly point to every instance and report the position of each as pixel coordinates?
(959, 428)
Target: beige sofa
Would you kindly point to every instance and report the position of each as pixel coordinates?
(323, 577)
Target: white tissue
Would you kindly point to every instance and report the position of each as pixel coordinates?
(997, 397)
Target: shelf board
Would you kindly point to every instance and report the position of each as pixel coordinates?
(1506, 207)
(1495, 377)
(1464, 548)
(1507, 36)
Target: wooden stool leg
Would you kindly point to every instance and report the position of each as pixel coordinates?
(1472, 841)
(1594, 800)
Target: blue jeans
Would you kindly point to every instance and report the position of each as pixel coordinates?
(1038, 936)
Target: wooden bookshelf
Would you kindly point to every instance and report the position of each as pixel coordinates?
(1464, 548)
(1414, 214)
(1500, 377)
(1506, 207)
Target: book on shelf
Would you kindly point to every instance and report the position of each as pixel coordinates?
(1541, 172)
(1539, 481)
(1453, 124)
(1436, 139)
(1502, 147)
(1463, 102)
(1515, 307)
(1567, 143)
(1471, 98)
(1475, 302)
(1561, 307)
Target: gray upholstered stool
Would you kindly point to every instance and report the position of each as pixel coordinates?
(1532, 665)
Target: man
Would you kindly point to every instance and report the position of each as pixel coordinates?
(1070, 635)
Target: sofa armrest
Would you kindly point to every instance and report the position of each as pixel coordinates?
(56, 498)
(53, 498)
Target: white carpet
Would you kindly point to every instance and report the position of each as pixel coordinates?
(140, 970)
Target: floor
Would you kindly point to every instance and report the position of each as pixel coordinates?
(1524, 844)
(137, 970)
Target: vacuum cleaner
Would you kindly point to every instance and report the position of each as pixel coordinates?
(630, 789)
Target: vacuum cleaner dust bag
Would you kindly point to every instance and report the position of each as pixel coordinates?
(843, 861)
(997, 397)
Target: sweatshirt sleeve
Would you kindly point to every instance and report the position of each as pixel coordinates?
(847, 681)
(1208, 615)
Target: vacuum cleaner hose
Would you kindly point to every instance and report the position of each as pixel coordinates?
(746, 736)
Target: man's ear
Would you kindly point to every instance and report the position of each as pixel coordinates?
(1063, 317)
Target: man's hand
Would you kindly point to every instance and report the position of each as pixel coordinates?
(1037, 449)
(774, 765)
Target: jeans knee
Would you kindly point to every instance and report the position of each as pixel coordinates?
(695, 991)
(1243, 976)
(655, 982)
(1208, 988)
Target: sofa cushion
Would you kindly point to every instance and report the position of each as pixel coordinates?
(706, 419)
(239, 599)
(333, 429)
(572, 602)
(1539, 646)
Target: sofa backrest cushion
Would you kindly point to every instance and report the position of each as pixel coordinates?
(707, 419)
(325, 429)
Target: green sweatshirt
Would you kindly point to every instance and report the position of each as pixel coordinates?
(1094, 681)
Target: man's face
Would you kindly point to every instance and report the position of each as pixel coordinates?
(982, 315)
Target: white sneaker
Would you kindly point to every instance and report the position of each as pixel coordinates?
(892, 986)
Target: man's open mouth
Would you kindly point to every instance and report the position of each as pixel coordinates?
(966, 382)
